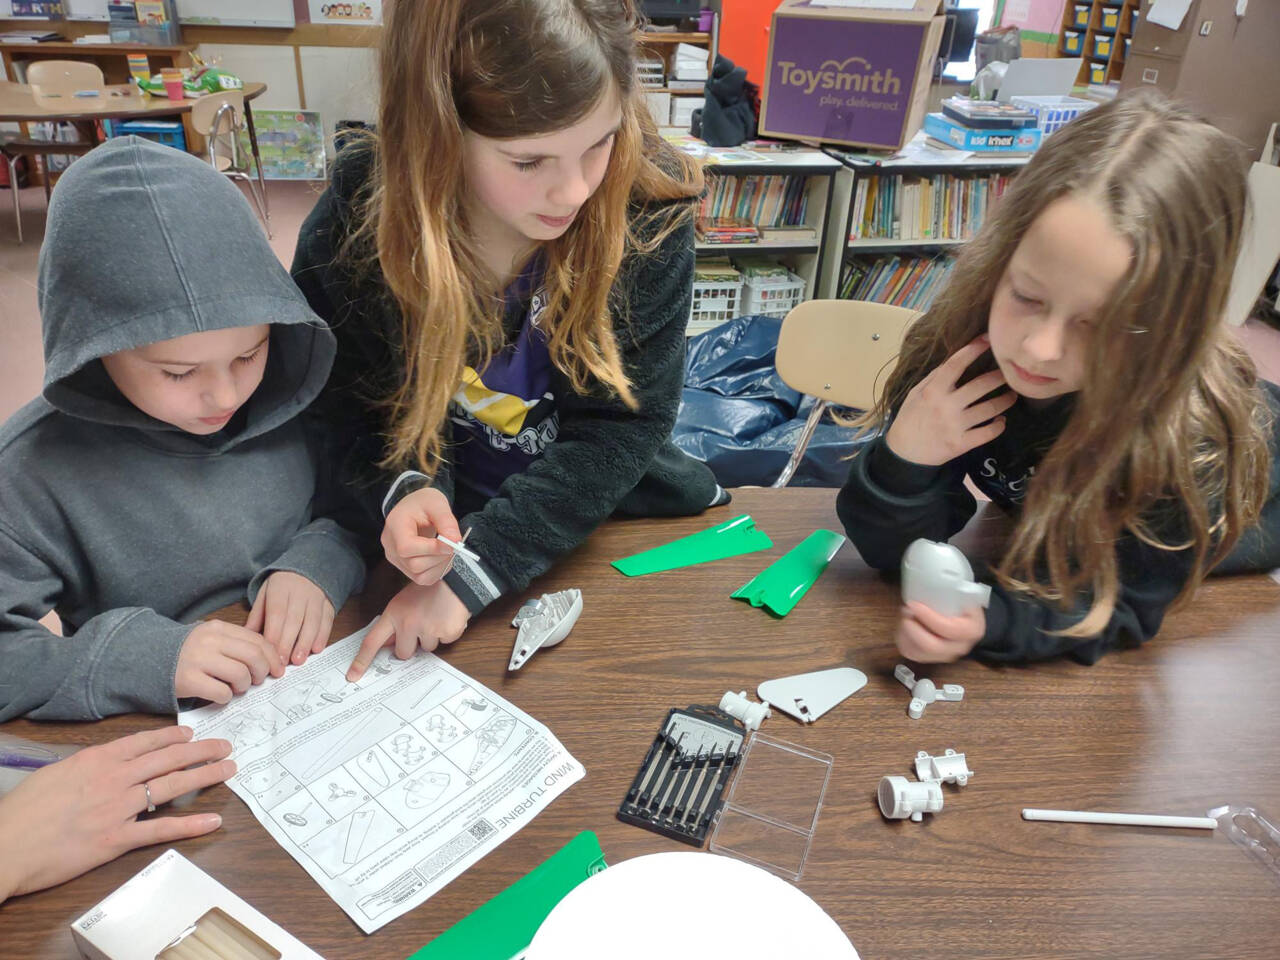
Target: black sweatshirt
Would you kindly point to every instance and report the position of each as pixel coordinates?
(604, 458)
(888, 502)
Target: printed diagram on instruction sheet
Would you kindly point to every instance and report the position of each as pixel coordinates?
(351, 776)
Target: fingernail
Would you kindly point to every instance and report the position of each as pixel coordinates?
(213, 821)
(231, 767)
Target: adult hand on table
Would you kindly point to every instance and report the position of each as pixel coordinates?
(80, 812)
(409, 536)
(415, 617)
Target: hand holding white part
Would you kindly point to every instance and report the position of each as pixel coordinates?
(939, 576)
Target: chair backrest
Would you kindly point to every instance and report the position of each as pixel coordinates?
(219, 117)
(64, 77)
(205, 110)
(841, 351)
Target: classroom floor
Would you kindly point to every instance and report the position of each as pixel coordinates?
(21, 357)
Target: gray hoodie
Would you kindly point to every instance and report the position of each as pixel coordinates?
(132, 529)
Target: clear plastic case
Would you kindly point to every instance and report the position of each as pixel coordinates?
(1259, 836)
(771, 812)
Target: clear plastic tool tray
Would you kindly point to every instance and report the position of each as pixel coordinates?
(771, 813)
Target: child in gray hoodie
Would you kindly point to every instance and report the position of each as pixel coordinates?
(165, 471)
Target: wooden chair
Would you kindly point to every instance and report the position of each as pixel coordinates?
(52, 81)
(219, 117)
(840, 351)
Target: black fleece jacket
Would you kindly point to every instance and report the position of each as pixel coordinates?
(888, 502)
(605, 458)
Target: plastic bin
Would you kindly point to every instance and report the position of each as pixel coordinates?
(1097, 73)
(1072, 42)
(1081, 14)
(1053, 113)
(1133, 21)
(771, 296)
(1110, 18)
(167, 132)
(1102, 45)
(714, 302)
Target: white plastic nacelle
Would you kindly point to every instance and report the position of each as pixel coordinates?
(900, 798)
(950, 767)
(939, 576)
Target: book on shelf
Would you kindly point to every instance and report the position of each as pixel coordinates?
(715, 270)
(686, 85)
(942, 206)
(726, 230)
(987, 114)
(757, 267)
(904, 280)
(800, 233)
(774, 200)
(30, 36)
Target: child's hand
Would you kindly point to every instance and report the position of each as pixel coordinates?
(416, 616)
(409, 536)
(292, 614)
(219, 660)
(926, 636)
(939, 421)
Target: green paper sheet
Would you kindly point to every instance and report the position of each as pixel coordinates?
(504, 927)
(729, 539)
(780, 586)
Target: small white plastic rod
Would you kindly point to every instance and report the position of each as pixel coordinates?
(1123, 819)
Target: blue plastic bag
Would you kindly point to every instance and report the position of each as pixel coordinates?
(740, 418)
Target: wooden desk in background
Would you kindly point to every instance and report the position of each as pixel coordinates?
(19, 104)
(1182, 724)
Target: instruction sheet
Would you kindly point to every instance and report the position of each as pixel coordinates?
(385, 789)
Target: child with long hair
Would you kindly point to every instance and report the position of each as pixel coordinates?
(1078, 370)
(507, 264)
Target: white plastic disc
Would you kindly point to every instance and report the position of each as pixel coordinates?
(687, 905)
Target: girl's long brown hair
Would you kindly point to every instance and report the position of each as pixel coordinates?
(505, 69)
(1168, 417)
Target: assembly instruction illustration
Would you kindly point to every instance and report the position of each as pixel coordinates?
(386, 789)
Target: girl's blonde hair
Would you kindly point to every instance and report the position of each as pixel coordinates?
(1168, 418)
(505, 69)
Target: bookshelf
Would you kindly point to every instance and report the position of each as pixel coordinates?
(1100, 31)
(804, 257)
(964, 185)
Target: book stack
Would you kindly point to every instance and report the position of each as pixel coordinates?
(726, 230)
(30, 36)
(904, 281)
(938, 207)
(983, 126)
(767, 201)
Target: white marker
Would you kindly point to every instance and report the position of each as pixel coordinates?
(1124, 819)
(458, 548)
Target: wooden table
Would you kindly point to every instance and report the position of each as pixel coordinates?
(20, 104)
(1189, 721)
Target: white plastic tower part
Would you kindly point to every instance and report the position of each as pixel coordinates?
(925, 692)
(900, 798)
(949, 767)
(807, 696)
(544, 622)
(751, 714)
(939, 576)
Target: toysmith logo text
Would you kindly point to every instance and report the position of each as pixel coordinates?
(837, 76)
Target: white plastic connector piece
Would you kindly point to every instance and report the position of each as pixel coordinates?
(949, 767)
(751, 714)
(544, 622)
(925, 692)
(899, 798)
(939, 576)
